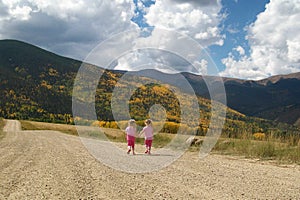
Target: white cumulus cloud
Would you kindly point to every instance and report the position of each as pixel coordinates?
(197, 19)
(69, 27)
(240, 49)
(274, 43)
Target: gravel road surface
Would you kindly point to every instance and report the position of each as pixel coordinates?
(53, 165)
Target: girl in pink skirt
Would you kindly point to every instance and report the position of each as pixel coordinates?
(130, 135)
(148, 132)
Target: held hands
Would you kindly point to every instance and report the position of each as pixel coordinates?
(140, 134)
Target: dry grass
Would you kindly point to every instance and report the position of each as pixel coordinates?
(268, 148)
(2, 123)
(31, 125)
(115, 135)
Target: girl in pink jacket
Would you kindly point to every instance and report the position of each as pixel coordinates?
(148, 133)
(130, 135)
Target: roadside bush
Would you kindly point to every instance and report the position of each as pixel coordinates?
(170, 127)
(259, 136)
(105, 124)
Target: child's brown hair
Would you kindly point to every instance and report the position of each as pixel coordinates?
(148, 121)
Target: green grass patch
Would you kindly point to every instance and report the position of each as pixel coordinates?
(105, 134)
(161, 139)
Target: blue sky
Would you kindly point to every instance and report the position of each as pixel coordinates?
(239, 15)
(246, 39)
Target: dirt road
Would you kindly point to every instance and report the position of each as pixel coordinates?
(52, 165)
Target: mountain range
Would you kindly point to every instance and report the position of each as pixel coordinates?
(34, 81)
(276, 98)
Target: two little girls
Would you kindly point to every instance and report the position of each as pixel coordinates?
(131, 133)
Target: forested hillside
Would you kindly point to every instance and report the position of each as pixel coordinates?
(37, 85)
(276, 98)
(34, 83)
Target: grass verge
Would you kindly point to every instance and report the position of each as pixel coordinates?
(2, 123)
(31, 125)
(265, 150)
(114, 135)
(270, 149)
